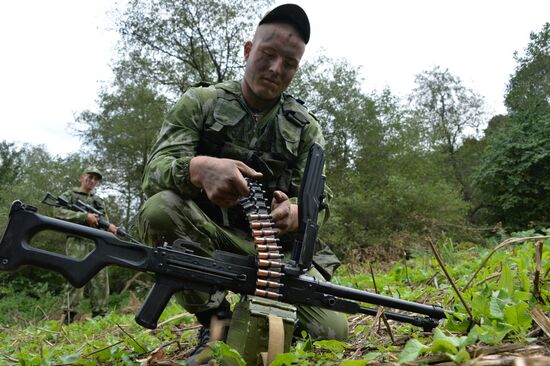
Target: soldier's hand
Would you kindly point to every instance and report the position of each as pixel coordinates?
(221, 179)
(92, 219)
(284, 213)
(112, 229)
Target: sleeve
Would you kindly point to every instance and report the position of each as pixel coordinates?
(168, 165)
(69, 215)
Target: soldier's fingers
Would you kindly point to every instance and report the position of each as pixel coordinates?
(280, 196)
(248, 171)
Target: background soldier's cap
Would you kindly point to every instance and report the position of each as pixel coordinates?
(290, 14)
(93, 170)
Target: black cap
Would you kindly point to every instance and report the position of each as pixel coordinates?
(290, 14)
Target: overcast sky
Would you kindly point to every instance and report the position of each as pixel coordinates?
(54, 54)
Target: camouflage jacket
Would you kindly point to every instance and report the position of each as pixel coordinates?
(72, 196)
(214, 120)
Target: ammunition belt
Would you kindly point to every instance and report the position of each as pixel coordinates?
(269, 259)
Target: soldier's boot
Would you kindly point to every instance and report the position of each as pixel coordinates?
(214, 327)
(69, 316)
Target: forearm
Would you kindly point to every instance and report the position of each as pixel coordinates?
(70, 215)
(168, 164)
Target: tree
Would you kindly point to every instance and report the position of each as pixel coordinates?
(384, 181)
(122, 133)
(177, 43)
(528, 92)
(448, 109)
(514, 175)
(449, 112)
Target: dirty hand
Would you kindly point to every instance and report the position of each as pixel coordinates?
(284, 213)
(221, 179)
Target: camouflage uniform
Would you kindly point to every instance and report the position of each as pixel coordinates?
(214, 120)
(98, 288)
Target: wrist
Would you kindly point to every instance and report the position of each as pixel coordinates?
(194, 171)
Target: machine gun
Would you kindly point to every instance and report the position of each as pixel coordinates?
(176, 267)
(53, 201)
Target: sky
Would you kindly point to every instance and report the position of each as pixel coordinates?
(55, 54)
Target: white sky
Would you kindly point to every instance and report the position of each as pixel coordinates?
(54, 54)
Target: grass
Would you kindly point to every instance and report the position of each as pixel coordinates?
(500, 289)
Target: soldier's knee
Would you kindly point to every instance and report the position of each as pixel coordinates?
(156, 218)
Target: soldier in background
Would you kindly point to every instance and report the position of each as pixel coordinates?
(97, 290)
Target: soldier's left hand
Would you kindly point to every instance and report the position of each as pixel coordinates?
(112, 229)
(284, 213)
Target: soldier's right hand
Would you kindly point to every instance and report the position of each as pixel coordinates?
(221, 179)
(92, 219)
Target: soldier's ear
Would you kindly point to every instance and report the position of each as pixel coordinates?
(247, 49)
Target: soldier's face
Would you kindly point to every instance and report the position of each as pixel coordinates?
(272, 59)
(88, 182)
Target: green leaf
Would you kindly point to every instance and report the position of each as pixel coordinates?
(495, 308)
(411, 351)
(444, 346)
(506, 280)
(518, 316)
(460, 357)
(283, 359)
(472, 337)
(491, 334)
(222, 351)
(331, 345)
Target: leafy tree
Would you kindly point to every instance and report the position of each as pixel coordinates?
(175, 44)
(514, 176)
(122, 133)
(528, 92)
(10, 163)
(384, 181)
(449, 112)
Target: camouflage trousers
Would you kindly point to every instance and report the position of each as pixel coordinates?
(97, 290)
(166, 217)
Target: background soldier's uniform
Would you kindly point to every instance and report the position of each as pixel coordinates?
(215, 121)
(97, 290)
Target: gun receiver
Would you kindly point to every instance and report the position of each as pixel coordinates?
(176, 267)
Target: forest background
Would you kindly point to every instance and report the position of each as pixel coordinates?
(433, 164)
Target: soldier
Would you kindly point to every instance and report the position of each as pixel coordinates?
(215, 137)
(98, 288)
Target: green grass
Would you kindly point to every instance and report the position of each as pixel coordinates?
(500, 298)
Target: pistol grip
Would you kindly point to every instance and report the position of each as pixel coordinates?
(156, 300)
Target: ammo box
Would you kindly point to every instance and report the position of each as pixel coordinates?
(260, 325)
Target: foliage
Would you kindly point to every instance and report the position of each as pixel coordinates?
(449, 111)
(514, 173)
(528, 92)
(122, 132)
(175, 44)
(383, 180)
(500, 297)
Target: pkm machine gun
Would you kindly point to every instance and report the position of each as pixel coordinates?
(176, 267)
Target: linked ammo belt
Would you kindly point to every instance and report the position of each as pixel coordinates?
(269, 258)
